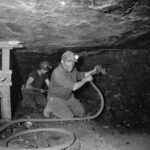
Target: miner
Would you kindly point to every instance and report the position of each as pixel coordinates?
(65, 80)
(33, 93)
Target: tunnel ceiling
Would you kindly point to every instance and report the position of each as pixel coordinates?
(48, 25)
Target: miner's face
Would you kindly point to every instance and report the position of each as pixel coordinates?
(68, 65)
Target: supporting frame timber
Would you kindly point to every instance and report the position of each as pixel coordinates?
(5, 77)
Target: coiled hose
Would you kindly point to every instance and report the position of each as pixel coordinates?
(72, 137)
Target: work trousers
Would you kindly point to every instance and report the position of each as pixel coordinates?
(64, 108)
(33, 98)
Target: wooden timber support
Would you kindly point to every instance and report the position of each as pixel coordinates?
(5, 77)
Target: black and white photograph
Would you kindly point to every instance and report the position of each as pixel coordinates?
(75, 74)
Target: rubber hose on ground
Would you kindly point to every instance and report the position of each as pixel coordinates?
(58, 130)
(56, 120)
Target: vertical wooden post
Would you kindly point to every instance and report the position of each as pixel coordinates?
(6, 104)
(5, 99)
(5, 58)
(5, 77)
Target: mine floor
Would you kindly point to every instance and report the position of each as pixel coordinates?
(90, 135)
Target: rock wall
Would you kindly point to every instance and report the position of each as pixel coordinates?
(125, 87)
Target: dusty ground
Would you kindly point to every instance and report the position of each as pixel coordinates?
(91, 135)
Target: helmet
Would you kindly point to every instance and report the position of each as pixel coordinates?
(45, 65)
(69, 56)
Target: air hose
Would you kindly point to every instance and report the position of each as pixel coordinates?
(58, 147)
(72, 137)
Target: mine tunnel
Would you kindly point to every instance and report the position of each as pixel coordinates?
(114, 34)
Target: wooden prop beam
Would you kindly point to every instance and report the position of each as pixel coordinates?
(5, 77)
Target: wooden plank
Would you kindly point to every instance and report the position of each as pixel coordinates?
(5, 58)
(5, 84)
(10, 44)
(5, 104)
(4, 78)
(5, 72)
(11, 47)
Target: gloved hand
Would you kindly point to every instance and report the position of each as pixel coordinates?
(42, 91)
(89, 78)
(98, 69)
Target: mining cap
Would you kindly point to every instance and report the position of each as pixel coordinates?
(69, 56)
(45, 65)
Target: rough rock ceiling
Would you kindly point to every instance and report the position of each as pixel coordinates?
(48, 25)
